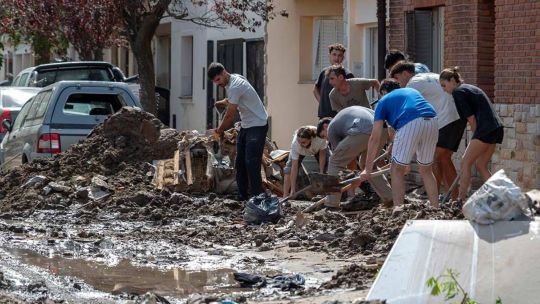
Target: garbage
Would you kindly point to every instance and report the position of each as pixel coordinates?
(283, 282)
(34, 180)
(262, 209)
(498, 199)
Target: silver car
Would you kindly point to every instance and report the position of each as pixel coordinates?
(59, 116)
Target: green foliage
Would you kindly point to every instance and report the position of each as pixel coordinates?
(447, 284)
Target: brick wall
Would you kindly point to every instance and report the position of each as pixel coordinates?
(497, 45)
(517, 89)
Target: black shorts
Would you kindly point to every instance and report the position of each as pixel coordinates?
(493, 137)
(451, 134)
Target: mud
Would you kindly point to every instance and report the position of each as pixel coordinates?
(96, 204)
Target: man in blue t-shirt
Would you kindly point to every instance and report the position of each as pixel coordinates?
(416, 132)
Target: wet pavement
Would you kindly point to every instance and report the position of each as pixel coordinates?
(108, 261)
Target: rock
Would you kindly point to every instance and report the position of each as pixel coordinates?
(82, 193)
(100, 182)
(57, 187)
(265, 248)
(293, 244)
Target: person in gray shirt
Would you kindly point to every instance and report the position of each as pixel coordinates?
(250, 142)
(348, 135)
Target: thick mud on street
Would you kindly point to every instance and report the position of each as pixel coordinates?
(90, 226)
(51, 255)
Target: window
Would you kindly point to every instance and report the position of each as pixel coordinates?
(46, 78)
(186, 72)
(425, 37)
(31, 119)
(326, 31)
(21, 116)
(92, 104)
(24, 77)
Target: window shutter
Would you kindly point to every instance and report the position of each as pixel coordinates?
(410, 37)
(327, 31)
(423, 21)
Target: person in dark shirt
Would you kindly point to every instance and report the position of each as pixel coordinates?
(475, 106)
(323, 87)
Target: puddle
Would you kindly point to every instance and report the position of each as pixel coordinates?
(124, 277)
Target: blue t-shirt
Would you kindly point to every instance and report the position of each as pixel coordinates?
(402, 106)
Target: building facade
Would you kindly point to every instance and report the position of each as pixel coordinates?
(496, 44)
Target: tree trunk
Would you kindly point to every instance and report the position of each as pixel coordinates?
(142, 52)
(42, 49)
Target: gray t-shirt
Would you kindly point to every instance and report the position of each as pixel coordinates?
(356, 97)
(324, 86)
(350, 121)
(250, 106)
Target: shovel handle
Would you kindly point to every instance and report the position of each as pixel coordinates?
(382, 171)
(295, 194)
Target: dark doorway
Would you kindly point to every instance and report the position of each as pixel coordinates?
(255, 65)
(209, 86)
(230, 53)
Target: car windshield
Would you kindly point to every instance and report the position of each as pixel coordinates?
(45, 78)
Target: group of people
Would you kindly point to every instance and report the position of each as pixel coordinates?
(420, 116)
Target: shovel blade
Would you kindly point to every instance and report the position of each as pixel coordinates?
(324, 183)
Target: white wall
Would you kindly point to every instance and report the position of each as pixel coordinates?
(191, 112)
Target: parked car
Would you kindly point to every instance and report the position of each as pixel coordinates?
(59, 116)
(11, 101)
(47, 74)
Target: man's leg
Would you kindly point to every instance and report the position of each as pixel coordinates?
(255, 140)
(430, 184)
(398, 183)
(240, 165)
(406, 143)
(425, 154)
(346, 151)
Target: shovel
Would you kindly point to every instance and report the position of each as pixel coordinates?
(324, 183)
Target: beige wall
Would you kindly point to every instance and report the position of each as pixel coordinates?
(290, 101)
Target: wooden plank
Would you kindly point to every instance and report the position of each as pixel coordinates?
(176, 167)
(188, 168)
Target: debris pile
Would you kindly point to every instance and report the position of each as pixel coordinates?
(115, 159)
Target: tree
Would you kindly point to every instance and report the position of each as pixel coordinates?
(141, 19)
(34, 21)
(91, 26)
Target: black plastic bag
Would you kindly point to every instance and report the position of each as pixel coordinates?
(262, 208)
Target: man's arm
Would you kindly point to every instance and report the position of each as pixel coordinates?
(228, 118)
(374, 83)
(294, 174)
(322, 160)
(472, 122)
(373, 148)
(317, 94)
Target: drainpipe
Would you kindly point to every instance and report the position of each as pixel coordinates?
(381, 31)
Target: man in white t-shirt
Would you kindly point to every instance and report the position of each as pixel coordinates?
(242, 97)
(305, 142)
(451, 126)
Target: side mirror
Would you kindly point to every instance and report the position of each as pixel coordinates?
(6, 123)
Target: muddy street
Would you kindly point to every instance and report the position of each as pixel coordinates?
(90, 226)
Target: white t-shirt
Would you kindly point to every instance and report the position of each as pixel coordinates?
(428, 85)
(250, 106)
(317, 144)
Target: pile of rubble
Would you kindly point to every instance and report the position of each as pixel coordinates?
(115, 159)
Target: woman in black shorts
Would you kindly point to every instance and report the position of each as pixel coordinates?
(474, 105)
